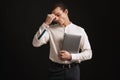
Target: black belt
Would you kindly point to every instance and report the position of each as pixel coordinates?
(64, 65)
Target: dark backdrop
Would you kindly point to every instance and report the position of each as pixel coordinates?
(20, 19)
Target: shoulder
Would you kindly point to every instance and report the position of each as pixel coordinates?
(77, 27)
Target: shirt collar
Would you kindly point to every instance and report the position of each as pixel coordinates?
(67, 27)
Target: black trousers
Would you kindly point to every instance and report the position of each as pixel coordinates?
(60, 72)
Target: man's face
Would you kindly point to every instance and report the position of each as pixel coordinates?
(60, 15)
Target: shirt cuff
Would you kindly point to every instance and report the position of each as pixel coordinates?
(74, 57)
(47, 26)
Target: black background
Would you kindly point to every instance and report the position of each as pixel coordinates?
(20, 19)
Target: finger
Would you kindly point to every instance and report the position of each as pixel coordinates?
(61, 54)
(62, 58)
(53, 15)
(62, 51)
(49, 15)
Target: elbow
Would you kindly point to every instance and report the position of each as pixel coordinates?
(35, 44)
(90, 54)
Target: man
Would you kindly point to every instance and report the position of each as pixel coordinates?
(63, 65)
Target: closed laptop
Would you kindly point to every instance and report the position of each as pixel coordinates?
(71, 43)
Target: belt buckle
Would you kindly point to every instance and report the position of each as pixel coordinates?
(68, 66)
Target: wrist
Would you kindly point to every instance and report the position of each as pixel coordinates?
(70, 57)
(46, 25)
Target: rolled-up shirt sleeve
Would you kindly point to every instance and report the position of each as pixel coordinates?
(42, 36)
(86, 52)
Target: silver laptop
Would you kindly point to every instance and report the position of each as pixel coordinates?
(71, 43)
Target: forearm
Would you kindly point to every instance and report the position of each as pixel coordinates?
(41, 37)
(86, 51)
(84, 55)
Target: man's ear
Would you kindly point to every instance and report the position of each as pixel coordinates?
(66, 11)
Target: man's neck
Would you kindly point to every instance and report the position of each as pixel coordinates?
(67, 22)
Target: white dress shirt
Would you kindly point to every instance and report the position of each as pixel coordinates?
(55, 34)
